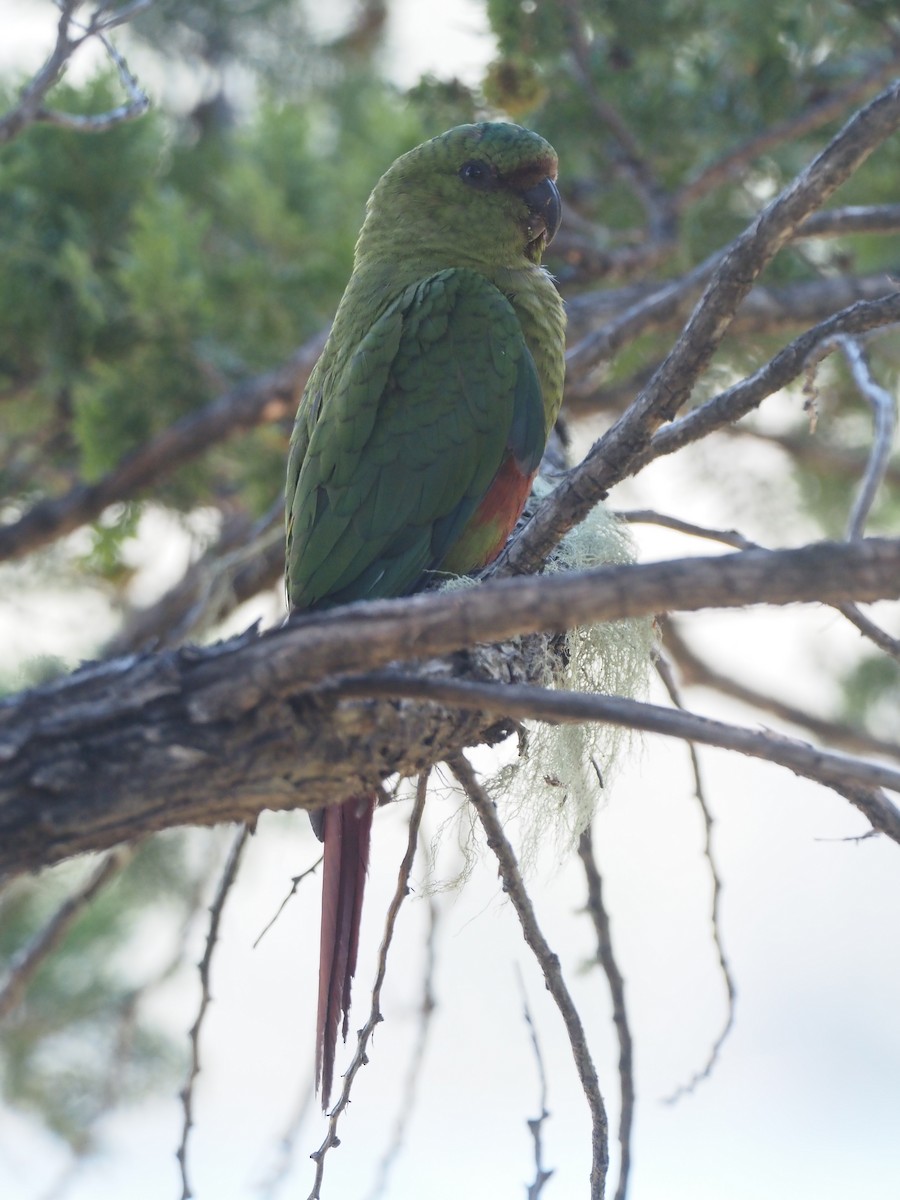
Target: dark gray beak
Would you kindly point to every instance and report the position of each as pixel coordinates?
(545, 207)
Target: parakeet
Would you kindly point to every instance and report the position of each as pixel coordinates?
(422, 425)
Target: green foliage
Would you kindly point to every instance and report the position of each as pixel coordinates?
(872, 694)
(149, 272)
(691, 80)
(151, 267)
(65, 208)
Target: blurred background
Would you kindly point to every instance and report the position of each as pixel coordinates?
(152, 268)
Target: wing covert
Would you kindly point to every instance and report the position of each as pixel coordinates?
(397, 445)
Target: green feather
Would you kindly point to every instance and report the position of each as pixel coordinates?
(446, 357)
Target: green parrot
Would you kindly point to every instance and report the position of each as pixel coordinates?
(422, 426)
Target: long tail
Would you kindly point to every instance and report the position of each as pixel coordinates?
(345, 830)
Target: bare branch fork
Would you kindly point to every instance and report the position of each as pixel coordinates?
(612, 456)
(70, 35)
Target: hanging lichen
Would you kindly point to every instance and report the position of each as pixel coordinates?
(554, 786)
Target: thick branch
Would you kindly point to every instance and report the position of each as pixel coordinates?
(199, 736)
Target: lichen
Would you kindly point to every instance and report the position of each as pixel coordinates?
(550, 792)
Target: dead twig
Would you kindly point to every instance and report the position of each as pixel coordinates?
(26, 963)
(226, 882)
(884, 414)
(295, 883)
(606, 958)
(70, 35)
(665, 673)
(536, 1124)
(417, 1054)
(548, 961)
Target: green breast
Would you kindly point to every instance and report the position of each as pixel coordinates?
(540, 310)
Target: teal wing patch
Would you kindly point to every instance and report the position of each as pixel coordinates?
(395, 447)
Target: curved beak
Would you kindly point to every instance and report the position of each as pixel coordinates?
(545, 208)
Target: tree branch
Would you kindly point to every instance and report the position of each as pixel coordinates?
(606, 958)
(26, 963)
(247, 558)
(226, 882)
(31, 106)
(611, 458)
(735, 162)
(549, 964)
(737, 401)
(863, 777)
(884, 413)
(199, 736)
(695, 672)
(267, 397)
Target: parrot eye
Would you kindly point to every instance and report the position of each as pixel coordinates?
(477, 174)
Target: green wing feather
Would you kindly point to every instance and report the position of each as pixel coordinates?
(395, 446)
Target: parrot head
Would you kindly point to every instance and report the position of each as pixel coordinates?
(479, 195)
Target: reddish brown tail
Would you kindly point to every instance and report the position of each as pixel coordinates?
(345, 831)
